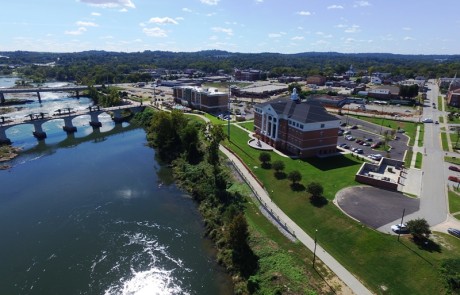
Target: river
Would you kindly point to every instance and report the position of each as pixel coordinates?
(97, 214)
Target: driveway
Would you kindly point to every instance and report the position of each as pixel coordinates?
(373, 206)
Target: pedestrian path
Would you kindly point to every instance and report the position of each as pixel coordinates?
(351, 281)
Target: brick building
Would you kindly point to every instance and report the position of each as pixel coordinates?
(250, 75)
(207, 100)
(317, 80)
(304, 129)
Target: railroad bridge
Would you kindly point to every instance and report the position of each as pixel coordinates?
(37, 120)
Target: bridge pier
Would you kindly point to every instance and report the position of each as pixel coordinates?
(117, 116)
(39, 97)
(78, 94)
(3, 138)
(95, 120)
(2, 98)
(68, 126)
(38, 133)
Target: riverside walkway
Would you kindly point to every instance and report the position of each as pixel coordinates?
(342, 273)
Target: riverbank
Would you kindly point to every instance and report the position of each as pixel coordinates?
(7, 153)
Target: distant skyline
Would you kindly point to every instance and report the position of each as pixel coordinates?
(249, 26)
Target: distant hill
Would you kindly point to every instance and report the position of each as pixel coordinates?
(210, 61)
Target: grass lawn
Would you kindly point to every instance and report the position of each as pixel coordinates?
(249, 125)
(378, 259)
(454, 201)
(455, 140)
(421, 134)
(418, 160)
(441, 119)
(441, 105)
(445, 144)
(453, 160)
(408, 158)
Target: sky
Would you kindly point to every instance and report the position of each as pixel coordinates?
(248, 26)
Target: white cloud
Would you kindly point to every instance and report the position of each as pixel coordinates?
(274, 35)
(78, 31)
(95, 14)
(211, 14)
(162, 21)
(259, 1)
(179, 18)
(407, 29)
(110, 3)
(352, 29)
(304, 13)
(86, 24)
(297, 38)
(335, 6)
(213, 38)
(223, 30)
(155, 32)
(123, 10)
(408, 39)
(185, 9)
(340, 26)
(361, 4)
(210, 2)
(349, 40)
(300, 28)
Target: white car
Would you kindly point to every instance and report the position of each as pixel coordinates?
(427, 120)
(400, 228)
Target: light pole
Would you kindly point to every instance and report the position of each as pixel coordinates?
(229, 114)
(314, 251)
(402, 219)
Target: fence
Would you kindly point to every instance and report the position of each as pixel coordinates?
(266, 207)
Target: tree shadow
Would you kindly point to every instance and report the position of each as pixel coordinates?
(427, 245)
(280, 175)
(266, 165)
(318, 202)
(297, 187)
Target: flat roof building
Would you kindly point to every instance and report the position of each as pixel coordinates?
(208, 100)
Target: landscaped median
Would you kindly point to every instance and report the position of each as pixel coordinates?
(383, 263)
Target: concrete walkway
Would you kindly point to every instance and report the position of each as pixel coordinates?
(352, 282)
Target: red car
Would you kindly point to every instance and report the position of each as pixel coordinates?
(454, 168)
(454, 179)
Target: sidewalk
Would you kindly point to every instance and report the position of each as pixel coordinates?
(352, 282)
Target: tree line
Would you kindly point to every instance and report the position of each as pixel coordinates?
(98, 67)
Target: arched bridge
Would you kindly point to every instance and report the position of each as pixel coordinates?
(37, 120)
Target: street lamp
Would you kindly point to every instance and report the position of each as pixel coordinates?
(314, 251)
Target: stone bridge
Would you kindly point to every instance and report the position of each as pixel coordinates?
(37, 120)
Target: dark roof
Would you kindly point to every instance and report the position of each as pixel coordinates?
(305, 112)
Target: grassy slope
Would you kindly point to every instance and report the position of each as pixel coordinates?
(378, 259)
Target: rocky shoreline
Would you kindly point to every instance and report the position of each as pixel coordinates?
(7, 153)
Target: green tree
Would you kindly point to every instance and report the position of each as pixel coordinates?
(315, 189)
(265, 158)
(294, 176)
(278, 166)
(450, 272)
(419, 229)
(215, 134)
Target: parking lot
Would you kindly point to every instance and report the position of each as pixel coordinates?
(370, 134)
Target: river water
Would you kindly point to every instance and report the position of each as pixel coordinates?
(95, 213)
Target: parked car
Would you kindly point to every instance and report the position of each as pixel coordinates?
(347, 132)
(401, 131)
(427, 120)
(454, 168)
(340, 132)
(343, 124)
(400, 228)
(359, 151)
(354, 127)
(436, 122)
(369, 139)
(366, 144)
(375, 145)
(342, 144)
(359, 141)
(454, 232)
(454, 179)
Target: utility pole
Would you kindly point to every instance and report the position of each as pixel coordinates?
(314, 251)
(230, 114)
(402, 219)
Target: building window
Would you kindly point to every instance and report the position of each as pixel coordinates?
(301, 126)
(322, 125)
